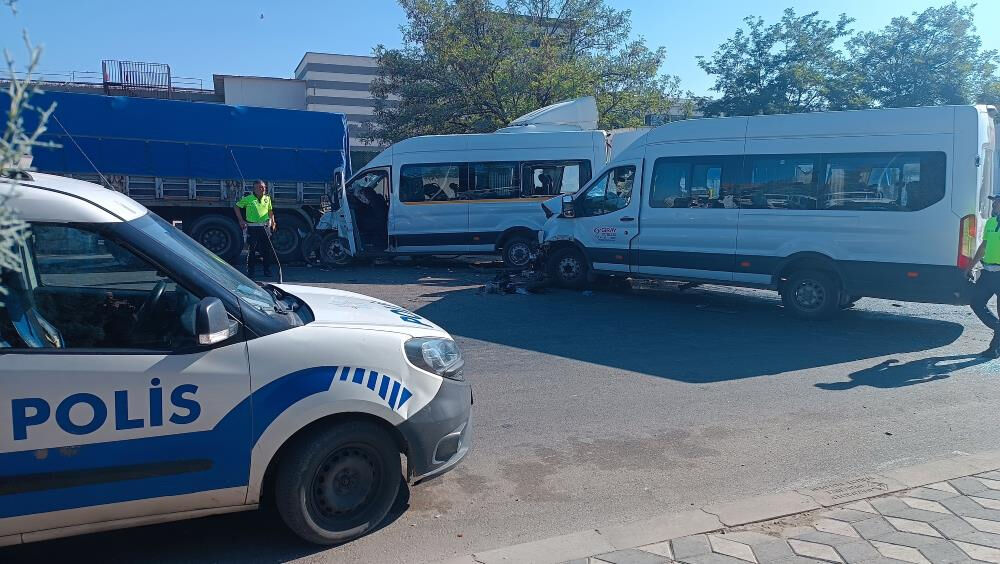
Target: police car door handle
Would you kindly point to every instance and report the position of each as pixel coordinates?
(627, 218)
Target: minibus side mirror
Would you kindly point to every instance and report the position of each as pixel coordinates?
(212, 323)
(567, 206)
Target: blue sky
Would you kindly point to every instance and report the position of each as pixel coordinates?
(199, 38)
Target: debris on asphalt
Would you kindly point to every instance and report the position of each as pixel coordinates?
(524, 282)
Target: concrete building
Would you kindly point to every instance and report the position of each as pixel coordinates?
(340, 83)
(261, 91)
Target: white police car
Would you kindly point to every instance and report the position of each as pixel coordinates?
(142, 380)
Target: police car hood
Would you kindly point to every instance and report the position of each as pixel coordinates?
(339, 308)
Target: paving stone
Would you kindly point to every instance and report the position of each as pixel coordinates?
(992, 475)
(835, 527)
(981, 553)
(942, 486)
(659, 548)
(862, 505)
(991, 484)
(926, 505)
(874, 528)
(772, 551)
(986, 503)
(847, 515)
(799, 560)
(909, 539)
(988, 494)
(729, 547)
(985, 539)
(713, 559)
(694, 545)
(882, 560)
(931, 494)
(968, 485)
(915, 527)
(897, 552)
(943, 553)
(967, 507)
(814, 550)
(984, 525)
(953, 526)
(857, 552)
(919, 514)
(632, 556)
(751, 538)
(884, 505)
(825, 538)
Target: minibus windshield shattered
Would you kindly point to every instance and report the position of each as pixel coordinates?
(200, 258)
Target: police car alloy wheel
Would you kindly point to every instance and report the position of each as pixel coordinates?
(339, 482)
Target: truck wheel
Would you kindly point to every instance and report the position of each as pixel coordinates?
(517, 251)
(339, 483)
(811, 294)
(334, 251)
(220, 235)
(568, 268)
(286, 240)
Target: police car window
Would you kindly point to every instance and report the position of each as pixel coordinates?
(92, 293)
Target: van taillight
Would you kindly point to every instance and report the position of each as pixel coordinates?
(966, 241)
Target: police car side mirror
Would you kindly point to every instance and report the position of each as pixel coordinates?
(567, 206)
(212, 323)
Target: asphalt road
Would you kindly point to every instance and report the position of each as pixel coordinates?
(603, 408)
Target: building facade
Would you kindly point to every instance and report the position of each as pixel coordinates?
(340, 83)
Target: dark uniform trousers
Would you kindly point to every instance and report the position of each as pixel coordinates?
(258, 241)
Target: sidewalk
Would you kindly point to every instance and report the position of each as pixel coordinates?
(940, 512)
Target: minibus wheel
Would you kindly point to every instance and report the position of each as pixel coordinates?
(811, 294)
(338, 483)
(568, 268)
(333, 250)
(517, 251)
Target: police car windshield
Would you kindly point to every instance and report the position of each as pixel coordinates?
(219, 270)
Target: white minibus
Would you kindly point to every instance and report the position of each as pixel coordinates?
(825, 208)
(468, 194)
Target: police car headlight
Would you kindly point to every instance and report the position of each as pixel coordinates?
(440, 356)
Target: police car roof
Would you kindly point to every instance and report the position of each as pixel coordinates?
(46, 197)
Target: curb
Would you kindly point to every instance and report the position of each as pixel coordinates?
(719, 516)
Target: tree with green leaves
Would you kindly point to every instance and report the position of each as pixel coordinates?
(792, 65)
(933, 57)
(471, 66)
(16, 143)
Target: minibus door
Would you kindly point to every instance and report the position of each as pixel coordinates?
(607, 216)
(345, 220)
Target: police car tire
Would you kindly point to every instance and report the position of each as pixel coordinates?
(297, 471)
(817, 284)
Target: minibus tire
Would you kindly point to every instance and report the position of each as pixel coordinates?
(338, 464)
(811, 294)
(517, 251)
(561, 261)
(328, 254)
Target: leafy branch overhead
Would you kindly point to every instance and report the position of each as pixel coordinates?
(474, 66)
(804, 63)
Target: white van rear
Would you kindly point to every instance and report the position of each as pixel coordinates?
(824, 207)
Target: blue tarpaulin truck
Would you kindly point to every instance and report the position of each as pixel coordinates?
(191, 161)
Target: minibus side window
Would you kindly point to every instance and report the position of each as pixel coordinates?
(493, 181)
(612, 192)
(439, 182)
(782, 182)
(882, 181)
(553, 178)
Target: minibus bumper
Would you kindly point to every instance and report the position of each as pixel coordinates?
(909, 283)
(439, 436)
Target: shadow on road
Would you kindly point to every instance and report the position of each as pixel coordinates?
(248, 537)
(697, 337)
(892, 374)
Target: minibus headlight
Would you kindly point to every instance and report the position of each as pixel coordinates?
(440, 356)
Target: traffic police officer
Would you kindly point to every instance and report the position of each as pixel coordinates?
(258, 226)
(988, 283)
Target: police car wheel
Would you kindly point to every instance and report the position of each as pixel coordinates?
(339, 483)
(568, 268)
(811, 294)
